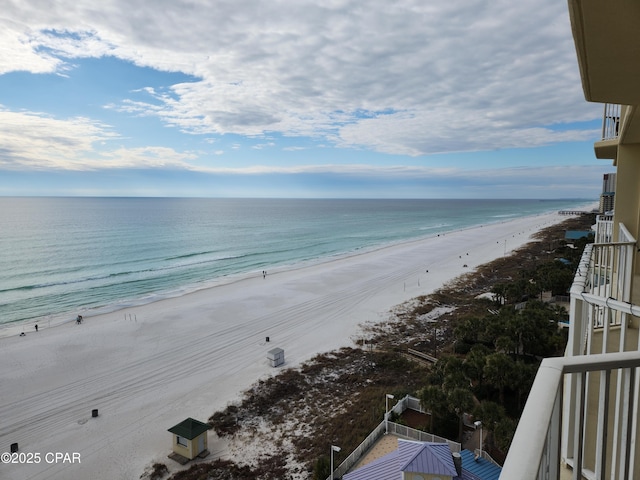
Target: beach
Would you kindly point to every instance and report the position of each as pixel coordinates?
(149, 367)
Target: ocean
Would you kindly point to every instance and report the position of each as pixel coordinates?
(60, 257)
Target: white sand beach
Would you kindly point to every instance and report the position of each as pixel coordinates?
(147, 368)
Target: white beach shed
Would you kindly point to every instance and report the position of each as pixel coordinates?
(275, 357)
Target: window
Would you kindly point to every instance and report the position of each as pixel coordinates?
(181, 440)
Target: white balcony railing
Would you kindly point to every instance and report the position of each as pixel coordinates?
(604, 229)
(611, 121)
(535, 452)
(582, 411)
(604, 274)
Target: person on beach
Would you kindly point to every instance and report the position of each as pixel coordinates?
(36, 327)
(79, 320)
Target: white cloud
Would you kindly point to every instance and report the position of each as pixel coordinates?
(34, 141)
(406, 77)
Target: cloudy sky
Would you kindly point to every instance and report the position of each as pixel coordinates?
(294, 98)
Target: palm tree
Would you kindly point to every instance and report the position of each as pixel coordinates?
(473, 364)
(433, 400)
(490, 413)
(499, 291)
(498, 371)
(460, 401)
(504, 431)
(523, 376)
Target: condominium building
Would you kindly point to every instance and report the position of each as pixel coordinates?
(581, 418)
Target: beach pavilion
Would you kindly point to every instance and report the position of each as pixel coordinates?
(189, 440)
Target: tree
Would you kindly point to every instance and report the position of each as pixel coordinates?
(536, 327)
(490, 413)
(499, 291)
(473, 363)
(555, 276)
(516, 290)
(469, 330)
(448, 372)
(455, 379)
(434, 400)
(523, 377)
(498, 371)
(505, 344)
(504, 431)
(460, 401)
(497, 326)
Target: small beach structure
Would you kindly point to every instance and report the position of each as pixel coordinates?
(189, 440)
(275, 357)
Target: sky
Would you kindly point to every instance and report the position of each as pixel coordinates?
(294, 98)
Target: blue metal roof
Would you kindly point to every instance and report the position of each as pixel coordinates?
(483, 469)
(419, 457)
(576, 234)
(384, 468)
(411, 456)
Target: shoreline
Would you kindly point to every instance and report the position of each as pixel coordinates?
(56, 320)
(191, 355)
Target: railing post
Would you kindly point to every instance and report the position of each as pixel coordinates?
(635, 405)
(578, 434)
(603, 423)
(629, 376)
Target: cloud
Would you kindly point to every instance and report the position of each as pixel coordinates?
(406, 77)
(34, 141)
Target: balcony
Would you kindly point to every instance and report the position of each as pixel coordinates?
(611, 122)
(604, 229)
(537, 447)
(581, 417)
(607, 148)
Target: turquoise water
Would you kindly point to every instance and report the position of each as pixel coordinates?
(63, 256)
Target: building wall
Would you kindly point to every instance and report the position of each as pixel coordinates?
(185, 451)
(189, 451)
(627, 200)
(606, 202)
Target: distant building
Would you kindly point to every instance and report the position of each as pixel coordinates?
(608, 194)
